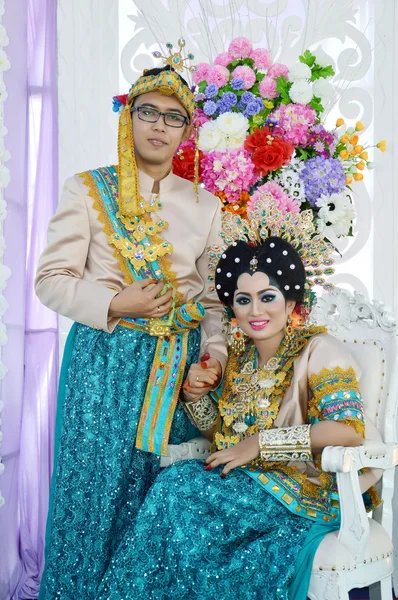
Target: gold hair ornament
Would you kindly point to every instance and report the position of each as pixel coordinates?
(176, 59)
(266, 220)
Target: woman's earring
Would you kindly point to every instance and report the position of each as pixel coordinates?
(289, 331)
(236, 339)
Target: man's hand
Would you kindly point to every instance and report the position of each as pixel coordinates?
(137, 301)
(235, 456)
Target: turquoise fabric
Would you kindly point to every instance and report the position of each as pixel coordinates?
(100, 479)
(203, 537)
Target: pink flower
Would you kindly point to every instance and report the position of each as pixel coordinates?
(218, 75)
(247, 74)
(201, 72)
(223, 59)
(268, 88)
(239, 48)
(294, 123)
(230, 172)
(199, 117)
(262, 58)
(284, 202)
(277, 70)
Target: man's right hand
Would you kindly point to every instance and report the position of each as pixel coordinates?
(141, 300)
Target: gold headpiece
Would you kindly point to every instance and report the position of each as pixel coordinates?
(176, 59)
(266, 220)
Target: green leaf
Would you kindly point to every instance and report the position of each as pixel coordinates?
(321, 72)
(283, 87)
(260, 76)
(307, 58)
(255, 89)
(202, 86)
(316, 104)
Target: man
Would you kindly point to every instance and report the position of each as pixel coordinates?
(127, 261)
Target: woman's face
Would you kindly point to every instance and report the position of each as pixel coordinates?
(260, 308)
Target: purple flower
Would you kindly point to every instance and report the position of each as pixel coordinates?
(237, 83)
(247, 97)
(223, 107)
(252, 108)
(199, 97)
(270, 122)
(241, 106)
(322, 176)
(229, 98)
(209, 108)
(211, 90)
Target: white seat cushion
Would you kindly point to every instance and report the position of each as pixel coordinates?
(331, 554)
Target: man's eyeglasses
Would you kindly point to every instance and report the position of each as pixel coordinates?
(152, 115)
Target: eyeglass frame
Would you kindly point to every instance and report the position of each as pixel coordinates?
(164, 114)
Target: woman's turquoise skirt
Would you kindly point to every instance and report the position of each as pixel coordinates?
(201, 537)
(100, 479)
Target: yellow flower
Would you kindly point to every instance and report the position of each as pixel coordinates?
(364, 155)
(268, 104)
(382, 145)
(361, 165)
(344, 139)
(358, 149)
(344, 154)
(339, 122)
(354, 140)
(359, 126)
(358, 176)
(348, 180)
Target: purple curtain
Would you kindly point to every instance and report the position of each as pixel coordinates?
(31, 355)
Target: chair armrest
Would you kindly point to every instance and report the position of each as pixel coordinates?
(345, 462)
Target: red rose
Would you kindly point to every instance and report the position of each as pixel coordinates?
(268, 151)
(184, 164)
(257, 138)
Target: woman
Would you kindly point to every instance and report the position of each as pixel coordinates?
(246, 524)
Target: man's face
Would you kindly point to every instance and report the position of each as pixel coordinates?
(156, 143)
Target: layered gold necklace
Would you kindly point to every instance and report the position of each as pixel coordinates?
(251, 395)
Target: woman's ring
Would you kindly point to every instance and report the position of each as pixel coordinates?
(197, 379)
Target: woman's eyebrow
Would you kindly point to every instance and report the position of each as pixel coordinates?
(157, 108)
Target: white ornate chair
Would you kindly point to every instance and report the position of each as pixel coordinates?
(360, 554)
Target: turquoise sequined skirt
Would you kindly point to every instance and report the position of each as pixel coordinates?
(201, 537)
(100, 479)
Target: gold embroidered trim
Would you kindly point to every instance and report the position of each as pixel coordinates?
(103, 218)
(331, 382)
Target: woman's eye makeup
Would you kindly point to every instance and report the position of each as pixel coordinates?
(242, 300)
(266, 297)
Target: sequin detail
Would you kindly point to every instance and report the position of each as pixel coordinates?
(212, 538)
(101, 478)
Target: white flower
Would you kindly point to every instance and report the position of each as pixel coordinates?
(1, 405)
(371, 165)
(321, 58)
(5, 273)
(233, 124)
(4, 41)
(301, 92)
(235, 141)
(323, 89)
(4, 176)
(209, 136)
(4, 62)
(3, 209)
(290, 182)
(299, 71)
(335, 215)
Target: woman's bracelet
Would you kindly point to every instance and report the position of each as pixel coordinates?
(202, 413)
(284, 444)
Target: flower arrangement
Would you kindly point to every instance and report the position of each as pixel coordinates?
(261, 131)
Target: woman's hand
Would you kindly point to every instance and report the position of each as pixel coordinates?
(137, 301)
(202, 378)
(235, 456)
